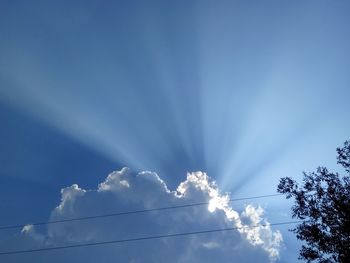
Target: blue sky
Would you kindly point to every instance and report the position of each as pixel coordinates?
(246, 92)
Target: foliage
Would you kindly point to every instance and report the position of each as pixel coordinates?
(322, 201)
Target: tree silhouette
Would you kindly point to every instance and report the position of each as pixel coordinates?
(322, 200)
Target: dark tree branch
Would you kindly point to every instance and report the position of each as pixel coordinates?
(323, 201)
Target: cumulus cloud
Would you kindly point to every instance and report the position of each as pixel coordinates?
(126, 191)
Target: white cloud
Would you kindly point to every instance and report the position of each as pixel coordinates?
(127, 191)
(263, 235)
(69, 195)
(211, 245)
(27, 228)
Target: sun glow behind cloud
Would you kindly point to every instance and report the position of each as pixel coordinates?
(147, 190)
(247, 92)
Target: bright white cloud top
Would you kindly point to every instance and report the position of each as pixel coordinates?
(124, 191)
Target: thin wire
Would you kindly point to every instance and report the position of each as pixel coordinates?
(128, 212)
(144, 238)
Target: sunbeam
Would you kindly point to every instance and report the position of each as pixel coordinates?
(201, 98)
(206, 102)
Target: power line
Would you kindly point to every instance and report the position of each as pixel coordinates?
(129, 212)
(144, 238)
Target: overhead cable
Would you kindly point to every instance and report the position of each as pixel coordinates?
(129, 212)
(144, 238)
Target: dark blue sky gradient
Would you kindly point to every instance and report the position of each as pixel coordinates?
(39, 161)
